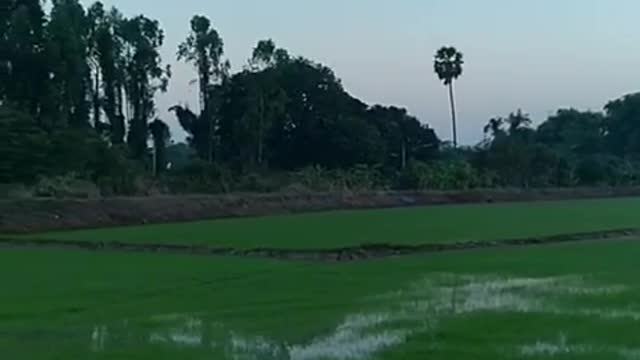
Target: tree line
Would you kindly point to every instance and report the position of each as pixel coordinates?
(77, 100)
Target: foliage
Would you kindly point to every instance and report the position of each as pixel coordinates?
(161, 136)
(203, 48)
(442, 175)
(106, 58)
(77, 96)
(358, 178)
(66, 186)
(144, 76)
(67, 32)
(24, 147)
(201, 177)
(26, 70)
(621, 126)
(448, 64)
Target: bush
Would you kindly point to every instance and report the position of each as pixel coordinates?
(443, 175)
(119, 175)
(315, 178)
(15, 191)
(200, 177)
(364, 178)
(256, 182)
(67, 186)
(358, 178)
(295, 189)
(25, 148)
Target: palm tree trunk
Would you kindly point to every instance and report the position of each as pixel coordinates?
(453, 115)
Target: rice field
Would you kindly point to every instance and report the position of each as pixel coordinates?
(565, 301)
(404, 226)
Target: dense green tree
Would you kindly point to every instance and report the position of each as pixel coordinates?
(30, 153)
(6, 8)
(23, 147)
(108, 66)
(26, 68)
(267, 100)
(197, 129)
(510, 151)
(316, 101)
(161, 136)
(447, 65)
(204, 48)
(405, 138)
(573, 131)
(622, 125)
(144, 76)
(300, 112)
(67, 52)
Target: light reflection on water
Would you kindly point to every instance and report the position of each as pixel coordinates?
(417, 309)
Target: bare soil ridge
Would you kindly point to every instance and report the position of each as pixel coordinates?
(347, 254)
(38, 215)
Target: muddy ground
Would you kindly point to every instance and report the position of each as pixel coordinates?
(36, 215)
(348, 254)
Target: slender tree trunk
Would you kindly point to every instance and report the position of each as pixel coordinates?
(260, 130)
(404, 154)
(453, 115)
(211, 134)
(118, 127)
(155, 159)
(207, 115)
(96, 100)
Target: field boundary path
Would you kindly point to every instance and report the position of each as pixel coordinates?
(24, 216)
(347, 254)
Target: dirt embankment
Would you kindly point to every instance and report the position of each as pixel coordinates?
(23, 216)
(347, 254)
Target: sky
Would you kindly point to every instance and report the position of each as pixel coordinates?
(534, 55)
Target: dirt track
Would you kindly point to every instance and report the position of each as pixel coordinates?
(360, 253)
(38, 215)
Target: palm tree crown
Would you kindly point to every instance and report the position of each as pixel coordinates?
(448, 64)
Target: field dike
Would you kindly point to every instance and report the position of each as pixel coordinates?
(348, 254)
(20, 216)
(416, 311)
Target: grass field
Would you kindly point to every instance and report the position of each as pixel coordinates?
(404, 226)
(569, 301)
(564, 302)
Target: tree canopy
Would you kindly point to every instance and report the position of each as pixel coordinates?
(78, 91)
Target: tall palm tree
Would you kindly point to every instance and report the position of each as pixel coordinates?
(448, 66)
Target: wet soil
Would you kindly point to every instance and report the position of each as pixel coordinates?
(347, 254)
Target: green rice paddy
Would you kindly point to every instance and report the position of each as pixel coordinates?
(570, 301)
(405, 226)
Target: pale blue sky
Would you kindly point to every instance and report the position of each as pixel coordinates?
(536, 55)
